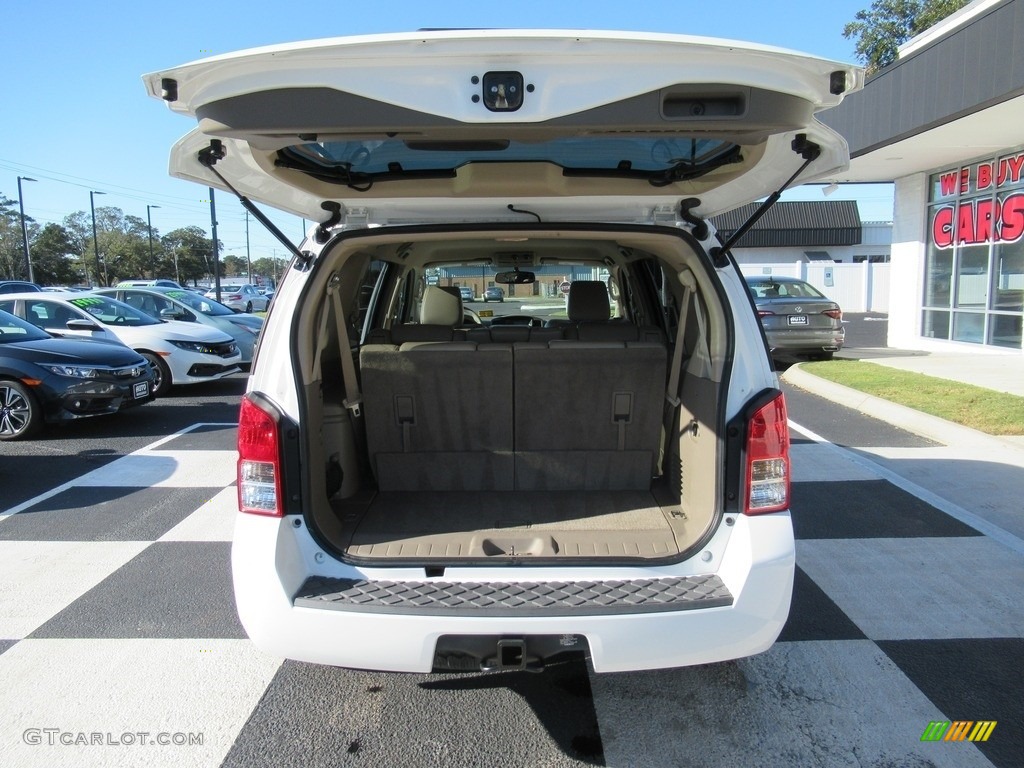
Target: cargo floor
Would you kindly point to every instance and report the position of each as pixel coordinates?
(461, 524)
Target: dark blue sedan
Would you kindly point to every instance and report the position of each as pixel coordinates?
(44, 379)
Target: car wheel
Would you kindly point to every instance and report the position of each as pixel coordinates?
(162, 383)
(20, 414)
(248, 306)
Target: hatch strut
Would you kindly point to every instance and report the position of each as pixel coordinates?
(208, 157)
(809, 151)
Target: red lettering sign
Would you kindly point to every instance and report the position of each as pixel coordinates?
(979, 221)
(947, 183)
(985, 175)
(942, 227)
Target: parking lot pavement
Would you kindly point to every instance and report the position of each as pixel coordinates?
(117, 626)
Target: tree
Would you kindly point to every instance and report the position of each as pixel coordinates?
(235, 266)
(12, 248)
(56, 257)
(880, 31)
(191, 250)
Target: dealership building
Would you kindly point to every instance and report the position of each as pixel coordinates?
(945, 123)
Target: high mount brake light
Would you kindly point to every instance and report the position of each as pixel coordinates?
(767, 459)
(259, 461)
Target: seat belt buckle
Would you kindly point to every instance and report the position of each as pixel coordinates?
(355, 406)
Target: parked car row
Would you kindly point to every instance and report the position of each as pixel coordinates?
(45, 379)
(67, 354)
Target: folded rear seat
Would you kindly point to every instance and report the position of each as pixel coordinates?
(588, 414)
(439, 415)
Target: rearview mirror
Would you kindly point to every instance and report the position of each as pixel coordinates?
(515, 278)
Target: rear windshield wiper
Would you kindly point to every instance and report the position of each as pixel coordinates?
(360, 181)
(681, 170)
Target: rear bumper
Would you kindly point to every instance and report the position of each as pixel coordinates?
(827, 340)
(272, 559)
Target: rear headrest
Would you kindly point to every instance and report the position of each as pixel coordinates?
(588, 300)
(441, 306)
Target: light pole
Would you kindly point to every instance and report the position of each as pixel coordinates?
(149, 222)
(95, 242)
(24, 230)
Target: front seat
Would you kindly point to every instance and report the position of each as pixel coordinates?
(440, 314)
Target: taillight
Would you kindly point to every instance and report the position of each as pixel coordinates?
(768, 459)
(259, 462)
(835, 314)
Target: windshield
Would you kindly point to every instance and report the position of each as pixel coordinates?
(660, 160)
(200, 303)
(112, 312)
(15, 329)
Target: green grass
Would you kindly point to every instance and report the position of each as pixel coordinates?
(996, 413)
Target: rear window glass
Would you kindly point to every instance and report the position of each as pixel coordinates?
(617, 154)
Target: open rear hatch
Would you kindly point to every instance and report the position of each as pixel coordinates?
(572, 125)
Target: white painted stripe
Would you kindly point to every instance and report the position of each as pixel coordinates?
(991, 530)
(214, 521)
(41, 578)
(934, 588)
(165, 469)
(207, 687)
(806, 703)
(78, 481)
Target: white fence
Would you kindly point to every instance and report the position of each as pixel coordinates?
(860, 287)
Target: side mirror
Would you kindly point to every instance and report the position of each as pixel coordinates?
(81, 324)
(172, 314)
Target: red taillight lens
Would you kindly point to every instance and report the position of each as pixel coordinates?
(768, 459)
(835, 314)
(235, 297)
(259, 462)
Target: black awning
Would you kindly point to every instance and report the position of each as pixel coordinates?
(795, 224)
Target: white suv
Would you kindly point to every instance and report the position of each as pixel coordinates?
(425, 488)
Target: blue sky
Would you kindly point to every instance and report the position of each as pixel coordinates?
(76, 116)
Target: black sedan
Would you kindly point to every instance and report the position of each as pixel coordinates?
(46, 379)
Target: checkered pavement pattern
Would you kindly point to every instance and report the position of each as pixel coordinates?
(118, 629)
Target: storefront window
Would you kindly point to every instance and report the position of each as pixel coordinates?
(938, 277)
(974, 263)
(1008, 286)
(972, 277)
(1005, 331)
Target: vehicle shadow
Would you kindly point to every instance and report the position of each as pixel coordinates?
(561, 698)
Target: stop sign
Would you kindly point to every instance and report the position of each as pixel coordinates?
(564, 287)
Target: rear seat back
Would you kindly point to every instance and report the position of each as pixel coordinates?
(587, 414)
(439, 415)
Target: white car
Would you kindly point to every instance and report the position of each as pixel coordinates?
(240, 296)
(188, 306)
(420, 492)
(180, 353)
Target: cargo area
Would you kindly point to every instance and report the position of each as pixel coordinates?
(480, 441)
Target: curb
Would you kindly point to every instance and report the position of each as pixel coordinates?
(922, 424)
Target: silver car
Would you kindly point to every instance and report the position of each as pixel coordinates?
(240, 296)
(181, 304)
(798, 319)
